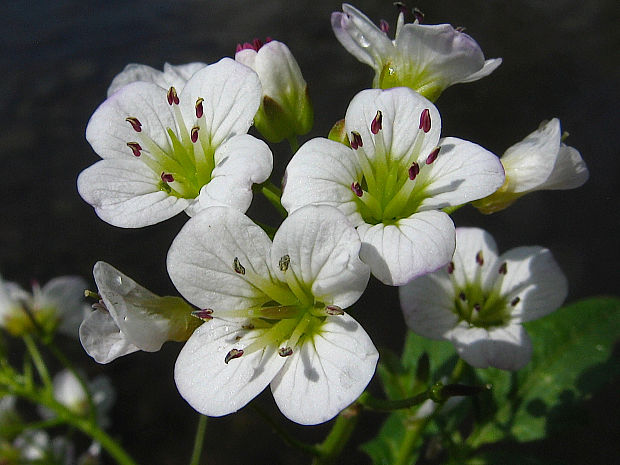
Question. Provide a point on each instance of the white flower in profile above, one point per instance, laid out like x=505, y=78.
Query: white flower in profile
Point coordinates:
x=172, y=76
x=129, y=318
x=164, y=152
x=57, y=306
x=426, y=58
x=480, y=299
x=273, y=313
x=393, y=181
x=539, y=162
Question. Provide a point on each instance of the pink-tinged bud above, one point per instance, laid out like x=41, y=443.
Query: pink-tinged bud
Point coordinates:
x=194, y=134
x=479, y=258
x=450, y=267
x=135, y=148
x=204, y=314
x=414, y=170
x=285, y=351
x=357, y=189
x=384, y=25
x=167, y=177
x=234, y=353
x=135, y=123
x=515, y=301
x=199, y=109
x=503, y=269
x=239, y=48
x=172, y=96
x=356, y=140
x=425, y=120
x=334, y=310
x=418, y=15
x=257, y=44
x=433, y=155
x=376, y=124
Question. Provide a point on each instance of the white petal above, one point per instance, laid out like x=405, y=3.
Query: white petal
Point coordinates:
x=108, y=132
x=240, y=162
x=401, y=108
x=172, y=75
x=231, y=93
x=67, y=389
x=246, y=57
x=324, y=254
x=469, y=242
x=360, y=36
x=462, y=172
x=508, y=348
x=126, y=193
x=278, y=70
x=102, y=339
x=535, y=277
x=213, y=387
x=66, y=294
x=201, y=260
x=489, y=66
x=322, y=172
x=327, y=373
x=569, y=171
x=529, y=163
x=412, y=247
x=428, y=304
x=178, y=75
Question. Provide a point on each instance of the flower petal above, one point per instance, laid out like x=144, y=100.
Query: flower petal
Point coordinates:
x=569, y=171
x=201, y=260
x=324, y=254
x=462, y=172
x=126, y=193
x=231, y=93
x=102, y=339
x=327, y=373
x=216, y=388
x=172, y=75
x=66, y=294
x=470, y=242
x=536, y=279
x=489, y=66
x=397, y=253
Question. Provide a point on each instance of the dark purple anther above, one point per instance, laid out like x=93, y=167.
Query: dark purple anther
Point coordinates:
x=503, y=268
x=167, y=177
x=234, y=353
x=135, y=123
x=425, y=120
x=194, y=134
x=199, y=109
x=515, y=301
x=204, y=314
x=384, y=25
x=433, y=155
x=172, y=96
x=402, y=8
x=285, y=351
x=257, y=43
x=479, y=258
x=357, y=189
x=450, y=267
x=414, y=170
x=477, y=307
x=334, y=310
x=376, y=124
x=418, y=15
x=462, y=296
x=356, y=140
x=135, y=148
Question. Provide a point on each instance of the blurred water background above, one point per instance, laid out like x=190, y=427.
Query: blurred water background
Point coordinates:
x=560, y=60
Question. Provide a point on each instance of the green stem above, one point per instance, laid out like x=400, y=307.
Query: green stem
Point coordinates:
x=199, y=440
x=273, y=194
x=412, y=434
x=386, y=405
x=286, y=437
x=338, y=437
x=33, y=350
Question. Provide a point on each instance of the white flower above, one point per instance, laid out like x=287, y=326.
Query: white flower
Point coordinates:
x=172, y=76
x=57, y=306
x=480, y=299
x=539, y=162
x=393, y=181
x=286, y=110
x=130, y=318
x=274, y=313
x=35, y=446
x=164, y=152
x=426, y=58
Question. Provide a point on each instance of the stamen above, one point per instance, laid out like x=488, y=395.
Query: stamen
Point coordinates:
x=414, y=170
x=284, y=262
x=167, y=177
x=238, y=266
x=375, y=125
x=249, y=326
x=503, y=269
x=479, y=258
x=135, y=123
x=257, y=43
x=433, y=155
x=515, y=301
x=234, y=353
x=418, y=15
x=100, y=306
x=357, y=189
x=477, y=307
x=172, y=96
x=460, y=29
x=135, y=148
x=462, y=296
x=199, y=108
x=194, y=133
x=334, y=310
x=450, y=267
x=384, y=25
x=204, y=314
x=402, y=8
x=285, y=351
x=425, y=120
x=356, y=141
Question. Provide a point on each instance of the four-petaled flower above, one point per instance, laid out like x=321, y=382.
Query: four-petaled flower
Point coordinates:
x=274, y=313
x=393, y=181
x=539, y=162
x=480, y=299
x=164, y=152
x=426, y=58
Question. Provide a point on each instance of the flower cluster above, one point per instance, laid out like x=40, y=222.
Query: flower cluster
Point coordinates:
x=266, y=306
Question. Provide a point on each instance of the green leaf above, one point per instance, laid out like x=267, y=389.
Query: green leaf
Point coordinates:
x=387, y=447
x=572, y=359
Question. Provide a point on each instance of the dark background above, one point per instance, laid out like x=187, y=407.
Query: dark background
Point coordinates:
x=560, y=60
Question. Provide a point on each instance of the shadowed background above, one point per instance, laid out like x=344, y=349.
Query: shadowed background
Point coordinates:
x=560, y=60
